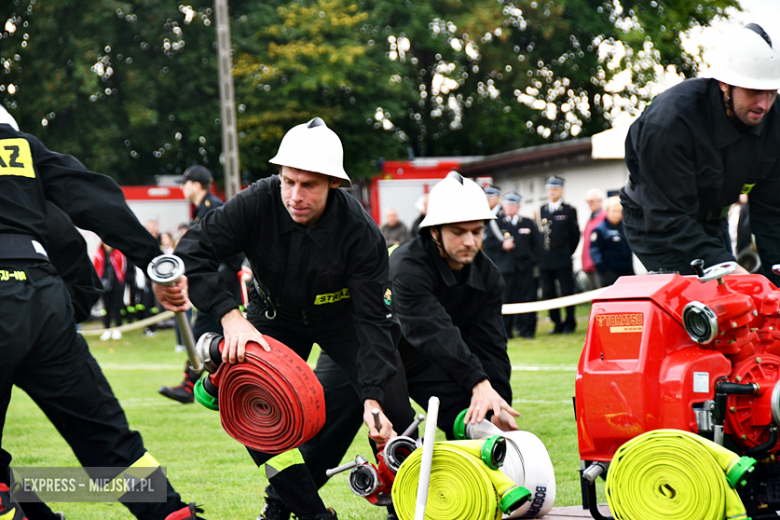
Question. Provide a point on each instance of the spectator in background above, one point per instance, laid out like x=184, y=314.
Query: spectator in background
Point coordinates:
x=493, y=194
x=594, y=197
x=153, y=229
x=515, y=251
x=560, y=236
x=111, y=267
x=181, y=229
x=196, y=182
x=609, y=247
x=166, y=243
x=422, y=206
x=394, y=231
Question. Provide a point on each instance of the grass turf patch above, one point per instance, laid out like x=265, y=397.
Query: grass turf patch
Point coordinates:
x=207, y=466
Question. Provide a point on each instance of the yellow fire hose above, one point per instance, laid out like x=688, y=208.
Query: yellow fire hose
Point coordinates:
x=462, y=486
x=676, y=475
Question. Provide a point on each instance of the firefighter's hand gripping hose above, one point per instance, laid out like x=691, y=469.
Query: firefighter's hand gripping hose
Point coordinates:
x=272, y=402
x=462, y=486
x=673, y=474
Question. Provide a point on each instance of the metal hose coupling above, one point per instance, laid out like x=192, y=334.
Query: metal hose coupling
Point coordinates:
x=397, y=450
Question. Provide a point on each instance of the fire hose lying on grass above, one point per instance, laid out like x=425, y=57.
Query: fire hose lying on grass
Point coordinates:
x=272, y=402
x=486, y=474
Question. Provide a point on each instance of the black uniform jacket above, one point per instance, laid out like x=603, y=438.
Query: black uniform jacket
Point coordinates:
x=229, y=268
x=68, y=252
x=560, y=236
x=30, y=175
x=209, y=202
x=688, y=163
x=453, y=326
x=334, y=271
x=528, y=245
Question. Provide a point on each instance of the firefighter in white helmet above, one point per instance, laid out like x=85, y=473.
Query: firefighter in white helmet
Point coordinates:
x=447, y=295
x=322, y=270
x=696, y=148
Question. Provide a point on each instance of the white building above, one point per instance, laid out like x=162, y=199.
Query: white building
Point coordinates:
x=594, y=162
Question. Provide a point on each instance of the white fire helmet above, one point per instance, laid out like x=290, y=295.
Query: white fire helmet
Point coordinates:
x=312, y=147
x=456, y=199
x=747, y=58
x=7, y=119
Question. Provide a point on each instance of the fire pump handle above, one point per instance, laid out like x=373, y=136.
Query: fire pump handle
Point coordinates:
x=715, y=272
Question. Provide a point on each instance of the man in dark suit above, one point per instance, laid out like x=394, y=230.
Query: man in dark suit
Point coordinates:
x=560, y=236
x=515, y=250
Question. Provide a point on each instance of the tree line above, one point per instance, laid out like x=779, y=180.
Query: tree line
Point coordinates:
x=130, y=87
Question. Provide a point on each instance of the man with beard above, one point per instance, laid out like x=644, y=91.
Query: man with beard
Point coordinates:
x=695, y=149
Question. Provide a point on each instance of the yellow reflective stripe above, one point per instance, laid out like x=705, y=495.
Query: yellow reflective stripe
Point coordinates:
x=8, y=515
x=15, y=158
x=141, y=468
x=285, y=460
x=391, y=249
x=322, y=299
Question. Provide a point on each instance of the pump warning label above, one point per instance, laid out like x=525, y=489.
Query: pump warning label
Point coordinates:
x=621, y=323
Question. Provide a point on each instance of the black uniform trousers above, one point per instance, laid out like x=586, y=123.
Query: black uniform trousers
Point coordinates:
x=113, y=304
x=521, y=287
x=41, y=353
x=337, y=372
x=565, y=278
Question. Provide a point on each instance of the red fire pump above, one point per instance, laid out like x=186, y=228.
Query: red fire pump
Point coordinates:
x=694, y=353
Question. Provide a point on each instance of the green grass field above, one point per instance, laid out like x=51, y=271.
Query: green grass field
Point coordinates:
x=207, y=466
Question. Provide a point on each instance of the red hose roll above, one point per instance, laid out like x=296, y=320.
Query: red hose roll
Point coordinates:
x=272, y=402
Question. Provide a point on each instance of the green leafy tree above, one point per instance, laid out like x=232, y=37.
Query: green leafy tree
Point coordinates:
x=129, y=88
x=299, y=60
x=493, y=75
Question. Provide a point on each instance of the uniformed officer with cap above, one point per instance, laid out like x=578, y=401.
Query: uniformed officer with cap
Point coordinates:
x=322, y=265
x=195, y=184
x=696, y=148
x=515, y=250
x=40, y=350
x=560, y=236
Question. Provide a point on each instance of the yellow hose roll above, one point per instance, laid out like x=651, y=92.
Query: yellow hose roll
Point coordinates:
x=491, y=451
x=460, y=488
x=675, y=475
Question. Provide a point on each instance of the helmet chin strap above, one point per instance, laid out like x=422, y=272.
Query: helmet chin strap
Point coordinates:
x=442, y=251
x=728, y=102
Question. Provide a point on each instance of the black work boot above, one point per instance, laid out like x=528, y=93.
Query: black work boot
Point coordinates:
x=188, y=512
x=183, y=392
x=274, y=509
x=330, y=514
x=9, y=509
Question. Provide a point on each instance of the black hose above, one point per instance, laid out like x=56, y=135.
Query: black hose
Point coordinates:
x=761, y=449
x=736, y=388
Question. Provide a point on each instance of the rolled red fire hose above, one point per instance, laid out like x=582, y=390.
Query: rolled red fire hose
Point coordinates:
x=272, y=401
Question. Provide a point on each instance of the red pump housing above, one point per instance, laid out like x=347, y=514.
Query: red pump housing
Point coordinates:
x=642, y=370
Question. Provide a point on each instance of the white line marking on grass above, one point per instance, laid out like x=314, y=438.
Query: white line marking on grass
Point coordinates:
x=525, y=368
x=137, y=366
x=540, y=401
